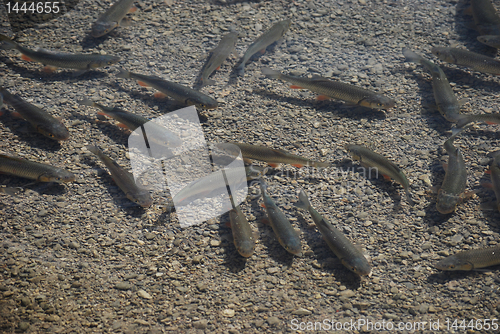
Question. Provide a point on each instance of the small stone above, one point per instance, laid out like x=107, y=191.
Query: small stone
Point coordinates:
x=215, y=243
x=228, y=313
x=347, y=293
x=301, y=311
x=144, y=294
x=123, y=286
x=272, y=270
x=273, y=321
x=23, y=325
x=198, y=259
x=200, y=324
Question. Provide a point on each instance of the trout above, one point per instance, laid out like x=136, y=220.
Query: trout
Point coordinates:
x=219, y=55
x=485, y=17
x=77, y=61
x=276, y=32
x=34, y=170
x=350, y=256
x=132, y=121
x=124, y=179
x=471, y=259
x=476, y=61
x=335, y=89
x=385, y=167
x=112, y=18
x=42, y=121
x=286, y=234
x=446, y=101
x=273, y=157
x=243, y=238
x=452, y=190
x=178, y=92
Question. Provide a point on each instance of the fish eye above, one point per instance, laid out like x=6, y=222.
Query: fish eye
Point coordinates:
x=452, y=266
x=203, y=105
x=380, y=104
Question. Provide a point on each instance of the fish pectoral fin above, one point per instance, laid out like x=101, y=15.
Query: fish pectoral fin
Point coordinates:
x=265, y=221
x=322, y=97
x=121, y=125
x=25, y=57
x=488, y=185
x=489, y=206
x=132, y=10
x=126, y=22
x=159, y=95
x=142, y=83
x=298, y=165
x=445, y=166
x=295, y=87
x=468, y=11
x=49, y=69
x=16, y=114
x=386, y=177
x=468, y=194
x=274, y=165
x=247, y=161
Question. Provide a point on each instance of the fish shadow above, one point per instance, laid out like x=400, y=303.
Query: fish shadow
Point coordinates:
x=464, y=28
x=325, y=257
x=57, y=76
x=46, y=188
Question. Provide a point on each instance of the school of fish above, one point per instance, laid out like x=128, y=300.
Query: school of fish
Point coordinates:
x=450, y=194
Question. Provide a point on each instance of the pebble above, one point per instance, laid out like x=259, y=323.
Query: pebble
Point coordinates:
x=144, y=294
x=347, y=293
x=228, y=313
x=123, y=286
x=301, y=311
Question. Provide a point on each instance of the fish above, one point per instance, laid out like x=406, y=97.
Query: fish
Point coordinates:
x=286, y=234
x=43, y=122
x=452, y=191
x=272, y=156
x=334, y=89
x=465, y=119
x=276, y=32
x=34, y=170
x=485, y=17
x=446, y=101
x=495, y=176
x=471, y=259
x=476, y=61
x=385, y=167
x=123, y=179
x=11, y=191
x=243, y=237
x=490, y=40
x=77, y=61
x=219, y=54
x=176, y=91
x=350, y=256
x=213, y=182
x=133, y=121
x=112, y=18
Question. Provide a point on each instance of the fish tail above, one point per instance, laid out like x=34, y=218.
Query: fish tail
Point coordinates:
x=270, y=73
x=94, y=149
x=241, y=69
x=86, y=102
x=408, y=197
x=412, y=56
x=122, y=73
x=207, y=82
x=303, y=202
x=11, y=190
x=8, y=43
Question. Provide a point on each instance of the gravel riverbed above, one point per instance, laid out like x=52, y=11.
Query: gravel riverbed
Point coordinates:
x=80, y=258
